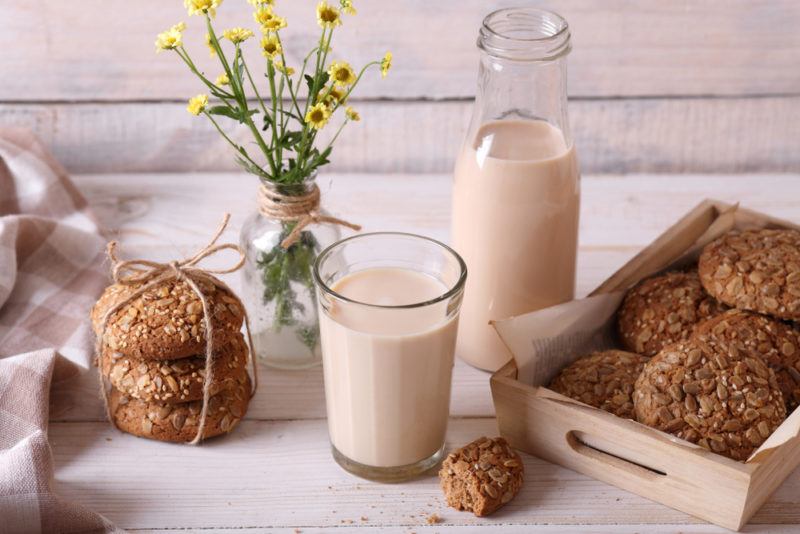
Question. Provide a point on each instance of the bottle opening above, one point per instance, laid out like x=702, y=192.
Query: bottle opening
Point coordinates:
x=525, y=34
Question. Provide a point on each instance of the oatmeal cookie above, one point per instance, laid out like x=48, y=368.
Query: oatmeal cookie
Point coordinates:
x=662, y=310
x=481, y=476
x=175, y=381
x=166, y=322
x=179, y=422
x=727, y=403
x=603, y=380
x=756, y=270
x=778, y=344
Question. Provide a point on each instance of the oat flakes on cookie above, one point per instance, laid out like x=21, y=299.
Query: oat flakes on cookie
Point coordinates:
x=756, y=270
x=662, y=310
x=481, y=476
x=727, y=403
x=603, y=380
x=740, y=332
x=180, y=422
x=174, y=381
x=166, y=322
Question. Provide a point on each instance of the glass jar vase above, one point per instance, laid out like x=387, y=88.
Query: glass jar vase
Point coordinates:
x=278, y=286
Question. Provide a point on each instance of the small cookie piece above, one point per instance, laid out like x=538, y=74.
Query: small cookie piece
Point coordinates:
x=663, y=310
x=758, y=336
x=727, y=403
x=602, y=379
x=179, y=422
x=174, y=381
x=481, y=476
x=756, y=270
x=166, y=322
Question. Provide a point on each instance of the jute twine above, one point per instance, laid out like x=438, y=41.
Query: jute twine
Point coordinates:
x=302, y=209
x=150, y=274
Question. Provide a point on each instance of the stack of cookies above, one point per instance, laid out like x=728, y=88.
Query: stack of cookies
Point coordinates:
x=713, y=353
x=152, y=353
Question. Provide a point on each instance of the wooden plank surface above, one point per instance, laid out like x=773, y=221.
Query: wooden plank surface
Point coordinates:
x=102, y=51
x=281, y=474
x=729, y=135
x=275, y=472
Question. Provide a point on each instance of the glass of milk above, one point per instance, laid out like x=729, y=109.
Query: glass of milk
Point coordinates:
x=388, y=305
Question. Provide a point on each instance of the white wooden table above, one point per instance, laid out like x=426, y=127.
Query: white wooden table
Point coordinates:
x=275, y=472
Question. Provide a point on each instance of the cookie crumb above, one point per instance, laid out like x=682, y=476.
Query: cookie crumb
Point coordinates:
x=364, y=518
x=434, y=519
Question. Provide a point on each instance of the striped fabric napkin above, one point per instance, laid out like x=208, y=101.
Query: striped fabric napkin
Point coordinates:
x=51, y=272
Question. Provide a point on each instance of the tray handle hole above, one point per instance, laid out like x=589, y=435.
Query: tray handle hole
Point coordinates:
x=581, y=443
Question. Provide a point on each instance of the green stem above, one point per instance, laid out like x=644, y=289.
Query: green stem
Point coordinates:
x=184, y=55
x=305, y=142
x=252, y=82
x=238, y=148
x=288, y=78
x=241, y=97
x=272, y=92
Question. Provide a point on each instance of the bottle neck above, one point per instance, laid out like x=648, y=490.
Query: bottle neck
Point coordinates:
x=293, y=190
x=523, y=68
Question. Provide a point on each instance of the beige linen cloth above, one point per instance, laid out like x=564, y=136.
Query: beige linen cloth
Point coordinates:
x=51, y=271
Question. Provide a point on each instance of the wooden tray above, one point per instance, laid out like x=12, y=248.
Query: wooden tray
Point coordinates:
x=633, y=456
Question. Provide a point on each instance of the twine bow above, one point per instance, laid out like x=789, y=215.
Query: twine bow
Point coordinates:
x=150, y=274
x=302, y=209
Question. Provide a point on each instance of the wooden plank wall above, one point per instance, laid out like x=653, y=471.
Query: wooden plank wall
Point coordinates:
x=655, y=86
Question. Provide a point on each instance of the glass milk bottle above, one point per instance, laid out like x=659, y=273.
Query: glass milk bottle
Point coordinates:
x=516, y=189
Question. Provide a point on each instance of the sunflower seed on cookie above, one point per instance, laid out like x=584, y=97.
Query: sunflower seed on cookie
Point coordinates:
x=662, y=310
x=777, y=343
x=727, y=403
x=167, y=321
x=602, y=379
x=481, y=476
x=755, y=270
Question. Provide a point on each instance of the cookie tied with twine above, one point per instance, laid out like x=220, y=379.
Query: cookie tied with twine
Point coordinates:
x=146, y=275
x=302, y=209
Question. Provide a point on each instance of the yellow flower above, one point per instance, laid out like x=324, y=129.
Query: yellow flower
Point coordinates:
x=336, y=95
x=347, y=7
x=171, y=38
x=211, y=50
x=274, y=24
x=259, y=3
x=197, y=7
x=386, y=64
x=237, y=35
x=283, y=68
x=327, y=15
x=222, y=79
x=352, y=114
x=341, y=73
x=270, y=46
x=197, y=104
x=268, y=20
x=318, y=115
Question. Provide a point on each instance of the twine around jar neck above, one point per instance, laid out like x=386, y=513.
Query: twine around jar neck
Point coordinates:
x=303, y=209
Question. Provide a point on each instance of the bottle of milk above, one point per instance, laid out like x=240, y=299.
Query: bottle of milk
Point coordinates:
x=516, y=189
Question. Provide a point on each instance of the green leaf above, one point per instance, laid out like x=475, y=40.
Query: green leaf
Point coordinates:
x=226, y=111
x=309, y=83
x=290, y=139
